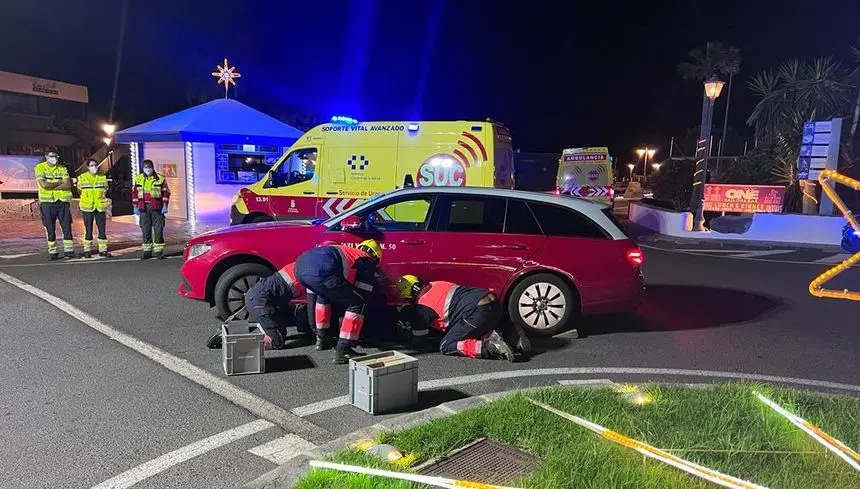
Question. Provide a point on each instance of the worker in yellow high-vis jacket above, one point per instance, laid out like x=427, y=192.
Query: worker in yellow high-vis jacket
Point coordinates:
x=55, y=197
x=94, y=204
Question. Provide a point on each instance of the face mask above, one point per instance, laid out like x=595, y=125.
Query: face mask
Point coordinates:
x=52, y=160
x=147, y=171
x=93, y=169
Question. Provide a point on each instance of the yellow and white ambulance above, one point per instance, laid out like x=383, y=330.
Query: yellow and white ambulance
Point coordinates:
x=587, y=173
x=335, y=166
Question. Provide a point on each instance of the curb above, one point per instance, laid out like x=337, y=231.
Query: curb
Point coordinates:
x=288, y=473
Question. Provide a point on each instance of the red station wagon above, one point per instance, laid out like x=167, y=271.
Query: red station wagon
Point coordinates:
x=551, y=258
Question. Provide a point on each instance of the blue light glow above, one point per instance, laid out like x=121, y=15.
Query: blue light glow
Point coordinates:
x=341, y=119
x=412, y=127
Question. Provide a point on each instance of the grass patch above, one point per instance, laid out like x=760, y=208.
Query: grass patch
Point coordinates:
x=725, y=428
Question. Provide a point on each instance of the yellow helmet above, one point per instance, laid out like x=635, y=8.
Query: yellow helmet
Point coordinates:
x=371, y=247
x=409, y=286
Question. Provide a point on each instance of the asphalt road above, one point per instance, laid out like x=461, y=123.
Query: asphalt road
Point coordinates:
x=82, y=408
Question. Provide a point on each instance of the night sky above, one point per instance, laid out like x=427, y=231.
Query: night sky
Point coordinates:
x=576, y=74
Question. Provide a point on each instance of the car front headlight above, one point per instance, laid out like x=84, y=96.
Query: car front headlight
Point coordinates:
x=198, y=249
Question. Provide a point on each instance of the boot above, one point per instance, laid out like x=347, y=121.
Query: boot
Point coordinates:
x=69, y=255
x=160, y=255
x=146, y=255
x=323, y=343
x=53, y=257
x=88, y=254
x=104, y=254
x=214, y=341
x=342, y=355
x=517, y=337
x=497, y=348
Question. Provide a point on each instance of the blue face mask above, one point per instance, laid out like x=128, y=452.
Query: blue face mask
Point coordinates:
x=148, y=171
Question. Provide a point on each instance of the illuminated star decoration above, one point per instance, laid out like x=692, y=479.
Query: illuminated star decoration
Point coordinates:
x=226, y=75
x=816, y=287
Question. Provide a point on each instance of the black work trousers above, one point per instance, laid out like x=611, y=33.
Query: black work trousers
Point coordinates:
x=152, y=226
x=464, y=336
x=51, y=213
x=100, y=219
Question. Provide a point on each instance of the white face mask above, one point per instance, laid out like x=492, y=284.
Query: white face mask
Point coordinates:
x=52, y=160
x=148, y=171
x=93, y=169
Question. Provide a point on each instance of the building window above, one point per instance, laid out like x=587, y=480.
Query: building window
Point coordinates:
x=243, y=164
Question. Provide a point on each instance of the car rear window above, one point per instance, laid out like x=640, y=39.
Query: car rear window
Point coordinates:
x=561, y=221
x=519, y=219
x=608, y=213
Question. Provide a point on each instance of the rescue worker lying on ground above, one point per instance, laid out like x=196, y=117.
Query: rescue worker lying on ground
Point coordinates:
x=468, y=316
x=268, y=303
x=341, y=275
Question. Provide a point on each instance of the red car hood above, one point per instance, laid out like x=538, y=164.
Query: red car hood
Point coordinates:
x=254, y=227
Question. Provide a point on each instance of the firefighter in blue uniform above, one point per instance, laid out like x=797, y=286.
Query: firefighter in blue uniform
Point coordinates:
x=268, y=304
x=343, y=276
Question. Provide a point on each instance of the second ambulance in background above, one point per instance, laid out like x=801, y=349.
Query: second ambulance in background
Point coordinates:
x=586, y=173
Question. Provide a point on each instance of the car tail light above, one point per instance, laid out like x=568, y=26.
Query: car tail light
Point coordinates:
x=635, y=257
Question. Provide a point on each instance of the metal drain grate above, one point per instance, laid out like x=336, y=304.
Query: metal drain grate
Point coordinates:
x=485, y=461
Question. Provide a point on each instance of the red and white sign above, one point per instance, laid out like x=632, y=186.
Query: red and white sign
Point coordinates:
x=441, y=170
x=333, y=207
x=601, y=191
x=743, y=198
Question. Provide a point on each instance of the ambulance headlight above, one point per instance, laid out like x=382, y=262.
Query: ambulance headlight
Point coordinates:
x=198, y=249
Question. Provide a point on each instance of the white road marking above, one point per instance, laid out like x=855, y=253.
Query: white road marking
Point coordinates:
x=12, y=257
x=698, y=250
x=756, y=254
x=81, y=261
x=282, y=449
x=586, y=382
x=335, y=402
x=176, y=457
x=834, y=259
x=240, y=397
x=690, y=252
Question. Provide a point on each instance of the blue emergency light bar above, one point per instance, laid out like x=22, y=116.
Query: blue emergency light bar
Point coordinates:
x=341, y=119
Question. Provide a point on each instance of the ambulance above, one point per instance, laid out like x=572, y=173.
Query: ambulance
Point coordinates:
x=338, y=165
x=586, y=173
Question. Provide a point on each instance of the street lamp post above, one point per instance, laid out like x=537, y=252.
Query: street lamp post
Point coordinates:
x=645, y=153
x=713, y=87
x=631, y=166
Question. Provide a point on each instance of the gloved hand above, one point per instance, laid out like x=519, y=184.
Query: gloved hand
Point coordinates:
x=136, y=211
x=164, y=211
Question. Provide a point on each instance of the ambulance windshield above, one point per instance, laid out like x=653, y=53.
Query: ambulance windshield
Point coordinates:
x=297, y=167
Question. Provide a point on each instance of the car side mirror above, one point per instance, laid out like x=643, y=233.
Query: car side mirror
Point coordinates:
x=351, y=223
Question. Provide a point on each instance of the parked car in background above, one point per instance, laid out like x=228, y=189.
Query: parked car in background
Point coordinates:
x=550, y=258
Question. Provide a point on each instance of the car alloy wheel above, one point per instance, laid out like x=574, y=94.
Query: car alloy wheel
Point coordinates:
x=236, y=294
x=542, y=305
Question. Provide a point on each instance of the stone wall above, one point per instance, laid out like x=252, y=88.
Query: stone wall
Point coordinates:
x=27, y=210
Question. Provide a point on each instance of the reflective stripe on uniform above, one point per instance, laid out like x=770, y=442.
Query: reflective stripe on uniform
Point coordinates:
x=420, y=332
x=438, y=298
x=364, y=286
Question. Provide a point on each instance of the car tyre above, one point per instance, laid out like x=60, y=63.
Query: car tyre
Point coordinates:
x=232, y=285
x=542, y=304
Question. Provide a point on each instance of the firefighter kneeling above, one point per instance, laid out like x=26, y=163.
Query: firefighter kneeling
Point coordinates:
x=468, y=316
x=341, y=275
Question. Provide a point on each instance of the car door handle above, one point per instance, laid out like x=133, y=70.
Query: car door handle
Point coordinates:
x=412, y=241
x=329, y=193
x=515, y=246
x=308, y=193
